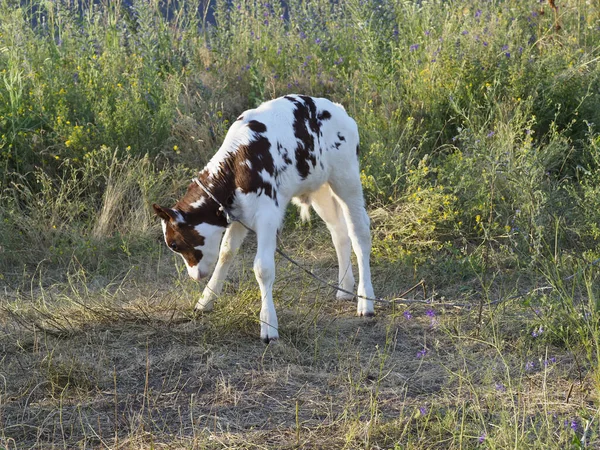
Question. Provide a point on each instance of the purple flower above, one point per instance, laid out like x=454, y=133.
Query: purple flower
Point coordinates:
x=504, y=48
x=421, y=353
x=500, y=387
x=572, y=424
x=302, y=35
x=547, y=362
x=485, y=44
x=423, y=410
x=430, y=313
x=464, y=33
x=478, y=13
x=490, y=134
x=481, y=438
x=507, y=54
x=530, y=365
x=427, y=32
x=535, y=333
x=317, y=41
x=414, y=47
x=407, y=314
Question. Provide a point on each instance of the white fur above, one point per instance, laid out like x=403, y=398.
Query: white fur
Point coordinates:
x=332, y=187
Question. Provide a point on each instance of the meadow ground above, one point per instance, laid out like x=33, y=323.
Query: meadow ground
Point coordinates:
x=480, y=162
x=91, y=362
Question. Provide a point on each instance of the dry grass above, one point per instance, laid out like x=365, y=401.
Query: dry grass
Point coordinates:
x=124, y=364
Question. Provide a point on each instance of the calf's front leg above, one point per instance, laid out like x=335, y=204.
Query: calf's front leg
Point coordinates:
x=264, y=270
x=232, y=240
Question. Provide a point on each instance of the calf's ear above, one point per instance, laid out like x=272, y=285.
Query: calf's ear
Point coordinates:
x=164, y=213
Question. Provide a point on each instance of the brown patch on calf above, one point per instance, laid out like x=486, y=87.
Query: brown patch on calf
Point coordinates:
x=305, y=118
x=257, y=127
x=258, y=155
x=324, y=115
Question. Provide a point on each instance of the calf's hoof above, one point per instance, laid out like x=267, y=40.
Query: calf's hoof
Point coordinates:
x=343, y=296
x=270, y=340
x=202, y=306
x=365, y=308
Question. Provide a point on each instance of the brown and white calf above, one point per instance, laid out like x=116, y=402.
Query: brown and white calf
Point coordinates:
x=292, y=148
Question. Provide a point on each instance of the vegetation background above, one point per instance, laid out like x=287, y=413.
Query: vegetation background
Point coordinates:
x=481, y=167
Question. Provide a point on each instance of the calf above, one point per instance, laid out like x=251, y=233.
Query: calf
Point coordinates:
x=292, y=148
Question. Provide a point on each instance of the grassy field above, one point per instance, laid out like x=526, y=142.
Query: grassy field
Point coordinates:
x=481, y=167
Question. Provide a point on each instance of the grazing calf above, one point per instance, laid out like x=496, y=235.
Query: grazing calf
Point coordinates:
x=292, y=148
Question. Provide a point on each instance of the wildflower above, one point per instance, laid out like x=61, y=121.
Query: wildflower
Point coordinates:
x=481, y=438
x=530, y=365
x=536, y=332
x=421, y=353
x=317, y=41
x=407, y=314
x=423, y=410
x=547, y=362
x=500, y=387
x=572, y=424
x=490, y=134
x=485, y=44
x=414, y=47
x=427, y=32
x=478, y=13
x=464, y=33
x=430, y=313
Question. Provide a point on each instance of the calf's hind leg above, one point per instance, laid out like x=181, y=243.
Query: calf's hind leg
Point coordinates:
x=328, y=208
x=350, y=196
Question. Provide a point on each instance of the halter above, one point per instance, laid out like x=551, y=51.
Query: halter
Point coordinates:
x=228, y=215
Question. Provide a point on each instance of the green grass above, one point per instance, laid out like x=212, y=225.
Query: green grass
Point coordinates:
x=480, y=162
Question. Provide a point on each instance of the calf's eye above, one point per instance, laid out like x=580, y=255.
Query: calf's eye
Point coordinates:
x=174, y=246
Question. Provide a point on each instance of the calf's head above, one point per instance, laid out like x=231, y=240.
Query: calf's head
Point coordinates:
x=196, y=241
